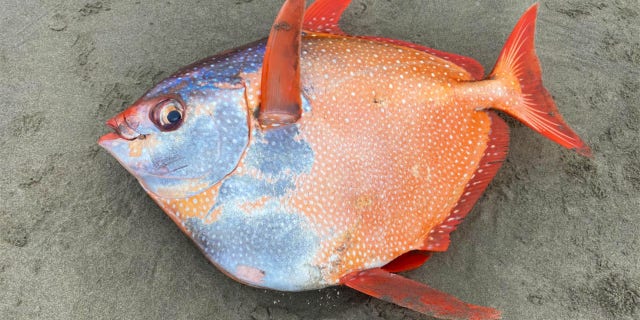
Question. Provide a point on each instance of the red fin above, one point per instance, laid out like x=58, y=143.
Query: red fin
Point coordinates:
x=280, y=88
x=324, y=16
x=471, y=65
x=408, y=261
x=415, y=296
x=518, y=68
x=494, y=156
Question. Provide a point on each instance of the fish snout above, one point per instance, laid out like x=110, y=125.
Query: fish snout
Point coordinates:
x=134, y=122
x=124, y=126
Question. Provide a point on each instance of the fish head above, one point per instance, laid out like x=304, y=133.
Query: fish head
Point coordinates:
x=183, y=136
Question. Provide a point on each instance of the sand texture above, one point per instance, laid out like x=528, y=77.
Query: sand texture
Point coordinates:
x=556, y=235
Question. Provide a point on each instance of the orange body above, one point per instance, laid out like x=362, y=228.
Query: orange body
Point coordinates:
x=394, y=148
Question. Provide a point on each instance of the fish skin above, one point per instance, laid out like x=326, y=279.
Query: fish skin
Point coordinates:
x=393, y=147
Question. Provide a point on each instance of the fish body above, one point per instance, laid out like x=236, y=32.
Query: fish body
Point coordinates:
x=393, y=146
x=362, y=178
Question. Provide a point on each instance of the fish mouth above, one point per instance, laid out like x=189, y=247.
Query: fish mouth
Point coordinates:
x=107, y=138
x=121, y=131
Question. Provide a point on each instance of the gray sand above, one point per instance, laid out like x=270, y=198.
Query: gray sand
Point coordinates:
x=555, y=236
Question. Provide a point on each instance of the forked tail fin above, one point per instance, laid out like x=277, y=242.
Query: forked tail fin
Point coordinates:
x=518, y=69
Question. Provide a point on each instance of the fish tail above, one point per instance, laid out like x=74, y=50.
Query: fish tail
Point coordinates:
x=519, y=73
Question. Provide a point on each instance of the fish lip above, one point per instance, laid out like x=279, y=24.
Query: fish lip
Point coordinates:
x=111, y=123
x=122, y=128
x=108, y=138
x=111, y=136
x=115, y=136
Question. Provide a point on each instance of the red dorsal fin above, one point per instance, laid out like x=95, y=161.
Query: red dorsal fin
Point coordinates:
x=497, y=147
x=471, y=65
x=324, y=16
x=415, y=296
x=408, y=261
x=280, y=88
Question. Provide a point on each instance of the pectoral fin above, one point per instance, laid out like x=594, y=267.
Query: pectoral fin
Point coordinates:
x=415, y=296
x=280, y=88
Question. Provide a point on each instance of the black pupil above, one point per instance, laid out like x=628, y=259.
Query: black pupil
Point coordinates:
x=174, y=116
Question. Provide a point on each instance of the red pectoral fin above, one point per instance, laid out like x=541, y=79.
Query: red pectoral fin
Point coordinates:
x=280, y=87
x=415, y=296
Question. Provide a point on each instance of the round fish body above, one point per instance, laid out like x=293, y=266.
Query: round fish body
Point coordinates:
x=314, y=159
x=380, y=157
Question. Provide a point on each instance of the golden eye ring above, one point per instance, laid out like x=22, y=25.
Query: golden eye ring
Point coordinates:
x=168, y=115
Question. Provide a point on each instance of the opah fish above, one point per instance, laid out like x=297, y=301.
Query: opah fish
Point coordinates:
x=316, y=158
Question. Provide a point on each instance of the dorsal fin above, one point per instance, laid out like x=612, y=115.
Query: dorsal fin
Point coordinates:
x=496, y=152
x=471, y=65
x=324, y=16
x=280, y=87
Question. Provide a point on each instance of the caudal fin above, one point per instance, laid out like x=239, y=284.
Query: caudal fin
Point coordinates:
x=518, y=68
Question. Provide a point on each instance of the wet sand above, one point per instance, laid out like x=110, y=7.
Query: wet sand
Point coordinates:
x=555, y=236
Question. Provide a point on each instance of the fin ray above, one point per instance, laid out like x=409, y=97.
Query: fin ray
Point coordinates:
x=324, y=16
x=416, y=296
x=518, y=68
x=281, y=103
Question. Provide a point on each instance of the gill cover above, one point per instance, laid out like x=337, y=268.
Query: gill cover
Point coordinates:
x=180, y=143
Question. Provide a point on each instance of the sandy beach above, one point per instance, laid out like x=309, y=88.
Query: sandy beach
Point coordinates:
x=555, y=236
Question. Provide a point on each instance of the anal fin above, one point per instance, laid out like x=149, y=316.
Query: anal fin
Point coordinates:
x=416, y=296
x=408, y=261
x=495, y=154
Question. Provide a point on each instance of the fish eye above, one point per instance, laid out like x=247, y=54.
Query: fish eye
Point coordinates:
x=174, y=116
x=168, y=115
